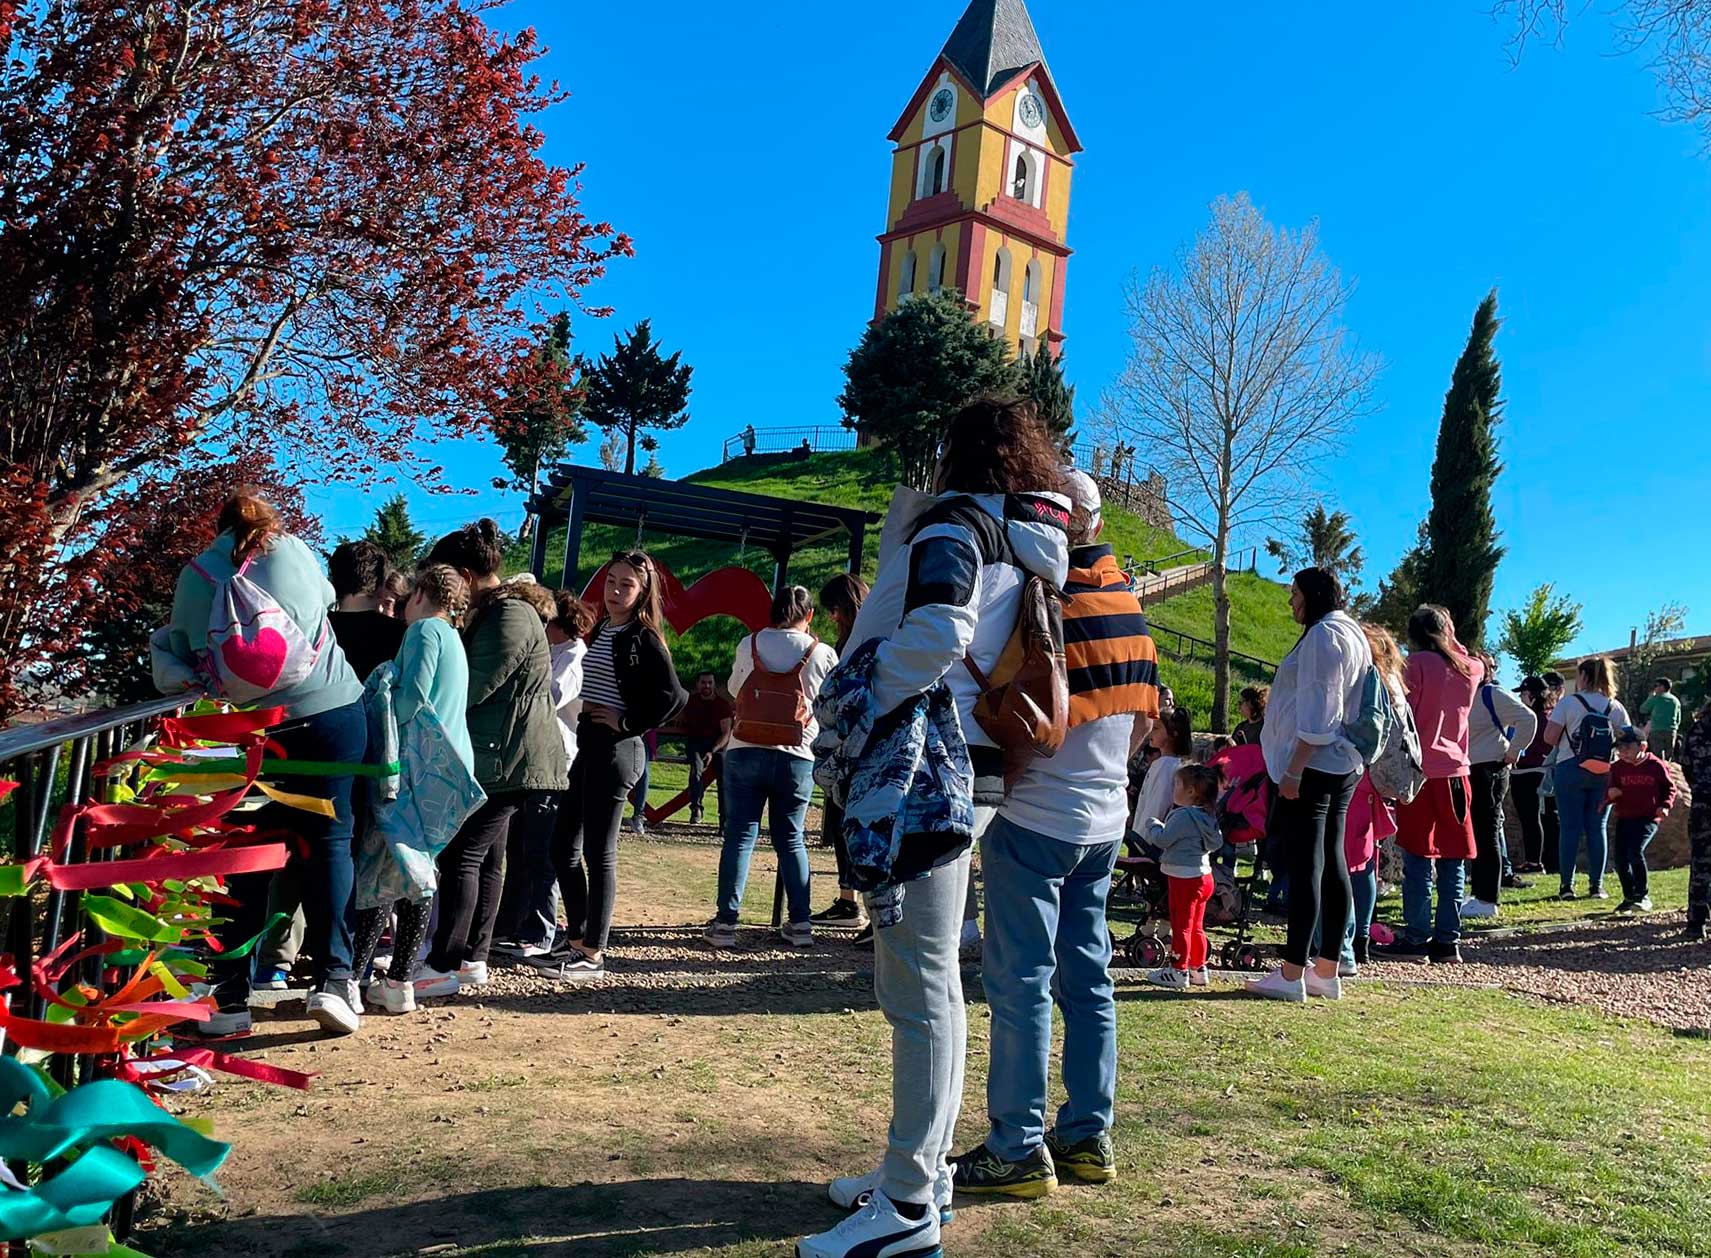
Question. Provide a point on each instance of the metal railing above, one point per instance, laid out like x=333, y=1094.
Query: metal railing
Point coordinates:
x=52, y=761
x=1189, y=649
x=786, y=440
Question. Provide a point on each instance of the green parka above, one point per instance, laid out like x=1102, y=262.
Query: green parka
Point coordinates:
x=512, y=725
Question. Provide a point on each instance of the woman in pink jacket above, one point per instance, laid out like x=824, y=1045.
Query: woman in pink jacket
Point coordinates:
x=1435, y=830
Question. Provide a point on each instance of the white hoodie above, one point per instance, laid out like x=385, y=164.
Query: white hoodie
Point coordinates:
x=953, y=588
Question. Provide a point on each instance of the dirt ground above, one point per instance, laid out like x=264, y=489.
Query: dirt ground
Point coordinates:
x=668, y=1108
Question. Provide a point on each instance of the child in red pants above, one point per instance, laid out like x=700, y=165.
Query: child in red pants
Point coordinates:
x=1186, y=839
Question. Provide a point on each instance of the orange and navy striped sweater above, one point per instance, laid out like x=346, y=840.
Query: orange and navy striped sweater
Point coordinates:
x=1113, y=667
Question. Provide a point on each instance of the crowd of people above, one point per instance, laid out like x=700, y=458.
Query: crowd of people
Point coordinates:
x=478, y=740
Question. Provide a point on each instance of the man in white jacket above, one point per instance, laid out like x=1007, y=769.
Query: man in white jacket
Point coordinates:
x=950, y=579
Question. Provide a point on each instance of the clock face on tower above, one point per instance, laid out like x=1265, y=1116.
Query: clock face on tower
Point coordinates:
x=943, y=100
x=1032, y=114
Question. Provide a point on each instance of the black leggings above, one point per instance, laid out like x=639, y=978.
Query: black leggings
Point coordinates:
x=1311, y=827
x=585, y=846
x=1538, y=813
x=472, y=869
x=832, y=828
x=1489, y=785
x=406, y=940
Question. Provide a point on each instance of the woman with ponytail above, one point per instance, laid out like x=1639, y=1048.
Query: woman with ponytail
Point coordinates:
x=513, y=728
x=255, y=565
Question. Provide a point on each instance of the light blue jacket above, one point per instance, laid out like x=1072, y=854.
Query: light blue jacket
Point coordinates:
x=290, y=572
x=433, y=672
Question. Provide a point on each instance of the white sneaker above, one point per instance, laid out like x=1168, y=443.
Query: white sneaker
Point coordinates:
x=876, y=1230
x=1324, y=988
x=1199, y=978
x=335, y=1010
x=432, y=983
x=797, y=934
x=392, y=997
x=1478, y=908
x=528, y=952
x=970, y=934
x=720, y=934
x=1347, y=969
x=1643, y=904
x=472, y=974
x=851, y=1191
x=221, y=1025
x=1169, y=976
x=1274, y=986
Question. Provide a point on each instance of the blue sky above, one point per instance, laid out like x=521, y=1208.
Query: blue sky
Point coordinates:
x=744, y=149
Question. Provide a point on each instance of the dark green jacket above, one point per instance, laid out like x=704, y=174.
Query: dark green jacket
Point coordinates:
x=512, y=725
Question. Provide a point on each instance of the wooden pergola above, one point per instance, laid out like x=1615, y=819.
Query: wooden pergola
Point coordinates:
x=580, y=496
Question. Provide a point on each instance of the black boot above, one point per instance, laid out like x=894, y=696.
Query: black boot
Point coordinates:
x=1695, y=932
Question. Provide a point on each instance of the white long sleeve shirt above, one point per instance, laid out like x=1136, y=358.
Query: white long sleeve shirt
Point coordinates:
x=1486, y=739
x=1316, y=693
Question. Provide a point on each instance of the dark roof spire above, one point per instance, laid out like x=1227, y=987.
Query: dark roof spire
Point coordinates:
x=993, y=43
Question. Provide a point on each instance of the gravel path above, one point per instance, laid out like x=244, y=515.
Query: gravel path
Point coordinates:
x=1640, y=968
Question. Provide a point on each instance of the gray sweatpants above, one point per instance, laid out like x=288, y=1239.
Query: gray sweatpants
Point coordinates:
x=917, y=979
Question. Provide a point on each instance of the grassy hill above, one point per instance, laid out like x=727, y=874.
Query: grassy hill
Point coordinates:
x=1261, y=624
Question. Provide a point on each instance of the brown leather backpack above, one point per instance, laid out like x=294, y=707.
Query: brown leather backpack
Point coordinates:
x=1024, y=703
x=772, y=709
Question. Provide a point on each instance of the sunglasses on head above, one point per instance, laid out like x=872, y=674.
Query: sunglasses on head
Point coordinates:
x=634, y=559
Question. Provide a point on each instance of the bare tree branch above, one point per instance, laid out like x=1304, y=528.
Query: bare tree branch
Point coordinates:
x=1240, y=378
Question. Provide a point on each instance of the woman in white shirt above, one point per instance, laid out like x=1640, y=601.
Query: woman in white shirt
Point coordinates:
x=764, y=771
x=1581, y=775
x=1316, y=693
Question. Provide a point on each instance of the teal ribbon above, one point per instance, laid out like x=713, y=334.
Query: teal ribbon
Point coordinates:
x=54, y=1127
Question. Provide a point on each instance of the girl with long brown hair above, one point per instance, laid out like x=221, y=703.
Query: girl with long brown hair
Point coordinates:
x=1590, y=715
x=629, y=687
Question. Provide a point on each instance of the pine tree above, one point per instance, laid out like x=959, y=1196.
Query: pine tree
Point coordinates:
x=635, y=388
x=394, y=533
x=1324, y=539
x=1403, y=590
x=1053, y=398
x=1462, y=553
x=538, y=426
x=915, y=369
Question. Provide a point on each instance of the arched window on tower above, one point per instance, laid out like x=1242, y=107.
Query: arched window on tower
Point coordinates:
x=906, y=285
x=1029, y=281
x=940, y=167
x=1030, y=322
x=936, y=269
x=1019, y=184
x=1001, y=273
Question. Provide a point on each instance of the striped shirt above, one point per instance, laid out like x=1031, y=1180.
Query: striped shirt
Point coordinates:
x=1113, y=666
x=599, y=678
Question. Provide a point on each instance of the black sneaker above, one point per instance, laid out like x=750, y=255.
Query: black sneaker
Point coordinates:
x=1514, y=882
x=1363, y=949
x=1092, y=1161
x=1445, y=954
x=982, y=1173
x=1401, y=950
x=1567, y=893
x=864, y=938
x=841, y=912
x=1695, y=932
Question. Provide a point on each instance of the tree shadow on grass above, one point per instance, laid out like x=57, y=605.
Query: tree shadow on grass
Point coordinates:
x=622, y=1220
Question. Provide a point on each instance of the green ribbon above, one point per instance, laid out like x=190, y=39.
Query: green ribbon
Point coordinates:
x=271, y=766
x=53, y=1127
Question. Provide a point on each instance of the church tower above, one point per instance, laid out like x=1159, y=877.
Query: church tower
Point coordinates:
x=980, y=182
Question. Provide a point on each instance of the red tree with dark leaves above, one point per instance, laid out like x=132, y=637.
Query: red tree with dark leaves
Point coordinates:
x=311, y=228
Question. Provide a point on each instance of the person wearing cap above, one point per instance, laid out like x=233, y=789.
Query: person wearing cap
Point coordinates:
x=1538, y=811
x=1640, y=795
x=1048, y=859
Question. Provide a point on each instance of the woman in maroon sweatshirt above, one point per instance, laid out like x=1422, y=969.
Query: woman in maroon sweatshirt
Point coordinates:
x=1641, y=793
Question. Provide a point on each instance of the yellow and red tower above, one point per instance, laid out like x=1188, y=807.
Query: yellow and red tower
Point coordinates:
x=980, y=181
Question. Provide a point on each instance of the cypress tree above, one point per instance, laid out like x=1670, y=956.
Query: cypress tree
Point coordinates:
x=1462, y=554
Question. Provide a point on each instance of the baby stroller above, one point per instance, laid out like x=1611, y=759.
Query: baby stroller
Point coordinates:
x=1236, y=873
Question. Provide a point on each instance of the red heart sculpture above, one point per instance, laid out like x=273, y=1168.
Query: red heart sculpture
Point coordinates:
x=734, y=592
x=258, y=660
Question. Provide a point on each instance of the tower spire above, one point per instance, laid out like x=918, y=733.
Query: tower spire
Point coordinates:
x=993, y=43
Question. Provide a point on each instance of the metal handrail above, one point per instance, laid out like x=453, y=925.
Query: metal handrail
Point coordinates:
x=783, y=440
x=21, y=740
x=1180, y=636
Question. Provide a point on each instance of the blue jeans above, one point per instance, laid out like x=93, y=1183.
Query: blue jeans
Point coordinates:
x=1420, y=925
x=1632, y=836
x=1363, y=886
x=329, y=873
x=782, y=784
x=1581, y=812
x=1046, y=938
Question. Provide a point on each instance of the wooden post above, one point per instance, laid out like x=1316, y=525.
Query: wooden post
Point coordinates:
x=572, y=543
